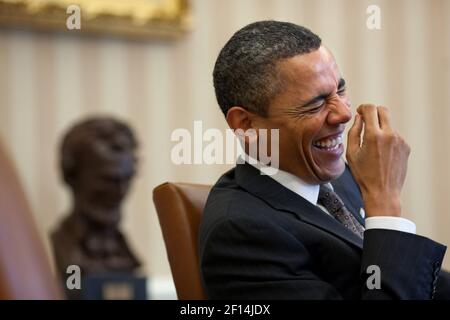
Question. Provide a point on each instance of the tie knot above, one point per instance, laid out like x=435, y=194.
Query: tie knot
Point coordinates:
x=329, y=199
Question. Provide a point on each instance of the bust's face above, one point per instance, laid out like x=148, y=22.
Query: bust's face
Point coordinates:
x=102, y=183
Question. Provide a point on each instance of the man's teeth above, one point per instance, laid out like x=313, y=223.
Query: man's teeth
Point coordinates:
x=329, y=143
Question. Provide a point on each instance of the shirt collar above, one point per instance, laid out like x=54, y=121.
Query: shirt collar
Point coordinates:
x=310, y=192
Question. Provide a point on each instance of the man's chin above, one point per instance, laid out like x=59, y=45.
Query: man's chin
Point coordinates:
x=331, y=173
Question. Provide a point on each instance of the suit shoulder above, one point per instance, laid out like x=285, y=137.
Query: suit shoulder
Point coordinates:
x=225, y=204
x=229, y=203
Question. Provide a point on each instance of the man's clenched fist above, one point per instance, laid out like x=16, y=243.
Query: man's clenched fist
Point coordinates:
x=378, y=159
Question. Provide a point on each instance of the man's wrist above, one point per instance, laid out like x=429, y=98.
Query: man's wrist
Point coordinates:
x=382, y=205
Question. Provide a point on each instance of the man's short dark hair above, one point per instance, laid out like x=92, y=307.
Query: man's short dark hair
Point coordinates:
x=102, y=135
x=245, y=72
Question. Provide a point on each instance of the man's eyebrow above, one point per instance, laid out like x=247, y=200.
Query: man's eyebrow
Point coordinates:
x=322, y=96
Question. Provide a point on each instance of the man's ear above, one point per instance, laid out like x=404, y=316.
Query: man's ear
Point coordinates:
x=239, y=118
x=241, y=121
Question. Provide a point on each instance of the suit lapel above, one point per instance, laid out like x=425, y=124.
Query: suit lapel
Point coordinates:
x=284, y=199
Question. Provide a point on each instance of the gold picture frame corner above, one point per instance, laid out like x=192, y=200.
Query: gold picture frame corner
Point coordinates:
x=170, y=19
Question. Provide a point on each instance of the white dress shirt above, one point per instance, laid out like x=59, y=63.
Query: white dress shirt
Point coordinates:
x=311, y=193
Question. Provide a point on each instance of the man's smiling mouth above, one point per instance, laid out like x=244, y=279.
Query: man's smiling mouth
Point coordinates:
x=329, y=143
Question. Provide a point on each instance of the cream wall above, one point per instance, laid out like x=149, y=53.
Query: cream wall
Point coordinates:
x=47, y=81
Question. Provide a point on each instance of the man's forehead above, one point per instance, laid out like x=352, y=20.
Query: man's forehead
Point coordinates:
x=307, y=69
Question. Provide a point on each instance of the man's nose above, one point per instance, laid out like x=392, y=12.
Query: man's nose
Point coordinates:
x=340, y=112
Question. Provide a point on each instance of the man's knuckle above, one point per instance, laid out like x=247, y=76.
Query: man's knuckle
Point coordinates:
x=375, y=136
x=407, y=148
x=383, y=109
x=393, y=138
x=401, y=140
x=367, y=107
x=371, y=107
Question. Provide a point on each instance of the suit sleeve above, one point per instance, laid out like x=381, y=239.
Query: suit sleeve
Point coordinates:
x=443, y=286
x=245, y=259
x=409, y=264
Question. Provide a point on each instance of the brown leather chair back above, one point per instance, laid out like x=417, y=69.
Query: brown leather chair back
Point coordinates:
x=180, y=207
x=24, y=266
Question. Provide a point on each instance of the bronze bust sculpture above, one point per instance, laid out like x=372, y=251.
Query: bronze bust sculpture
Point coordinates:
x=98, y=162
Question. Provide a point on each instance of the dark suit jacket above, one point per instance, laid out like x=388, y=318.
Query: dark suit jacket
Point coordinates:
x=259, y=240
